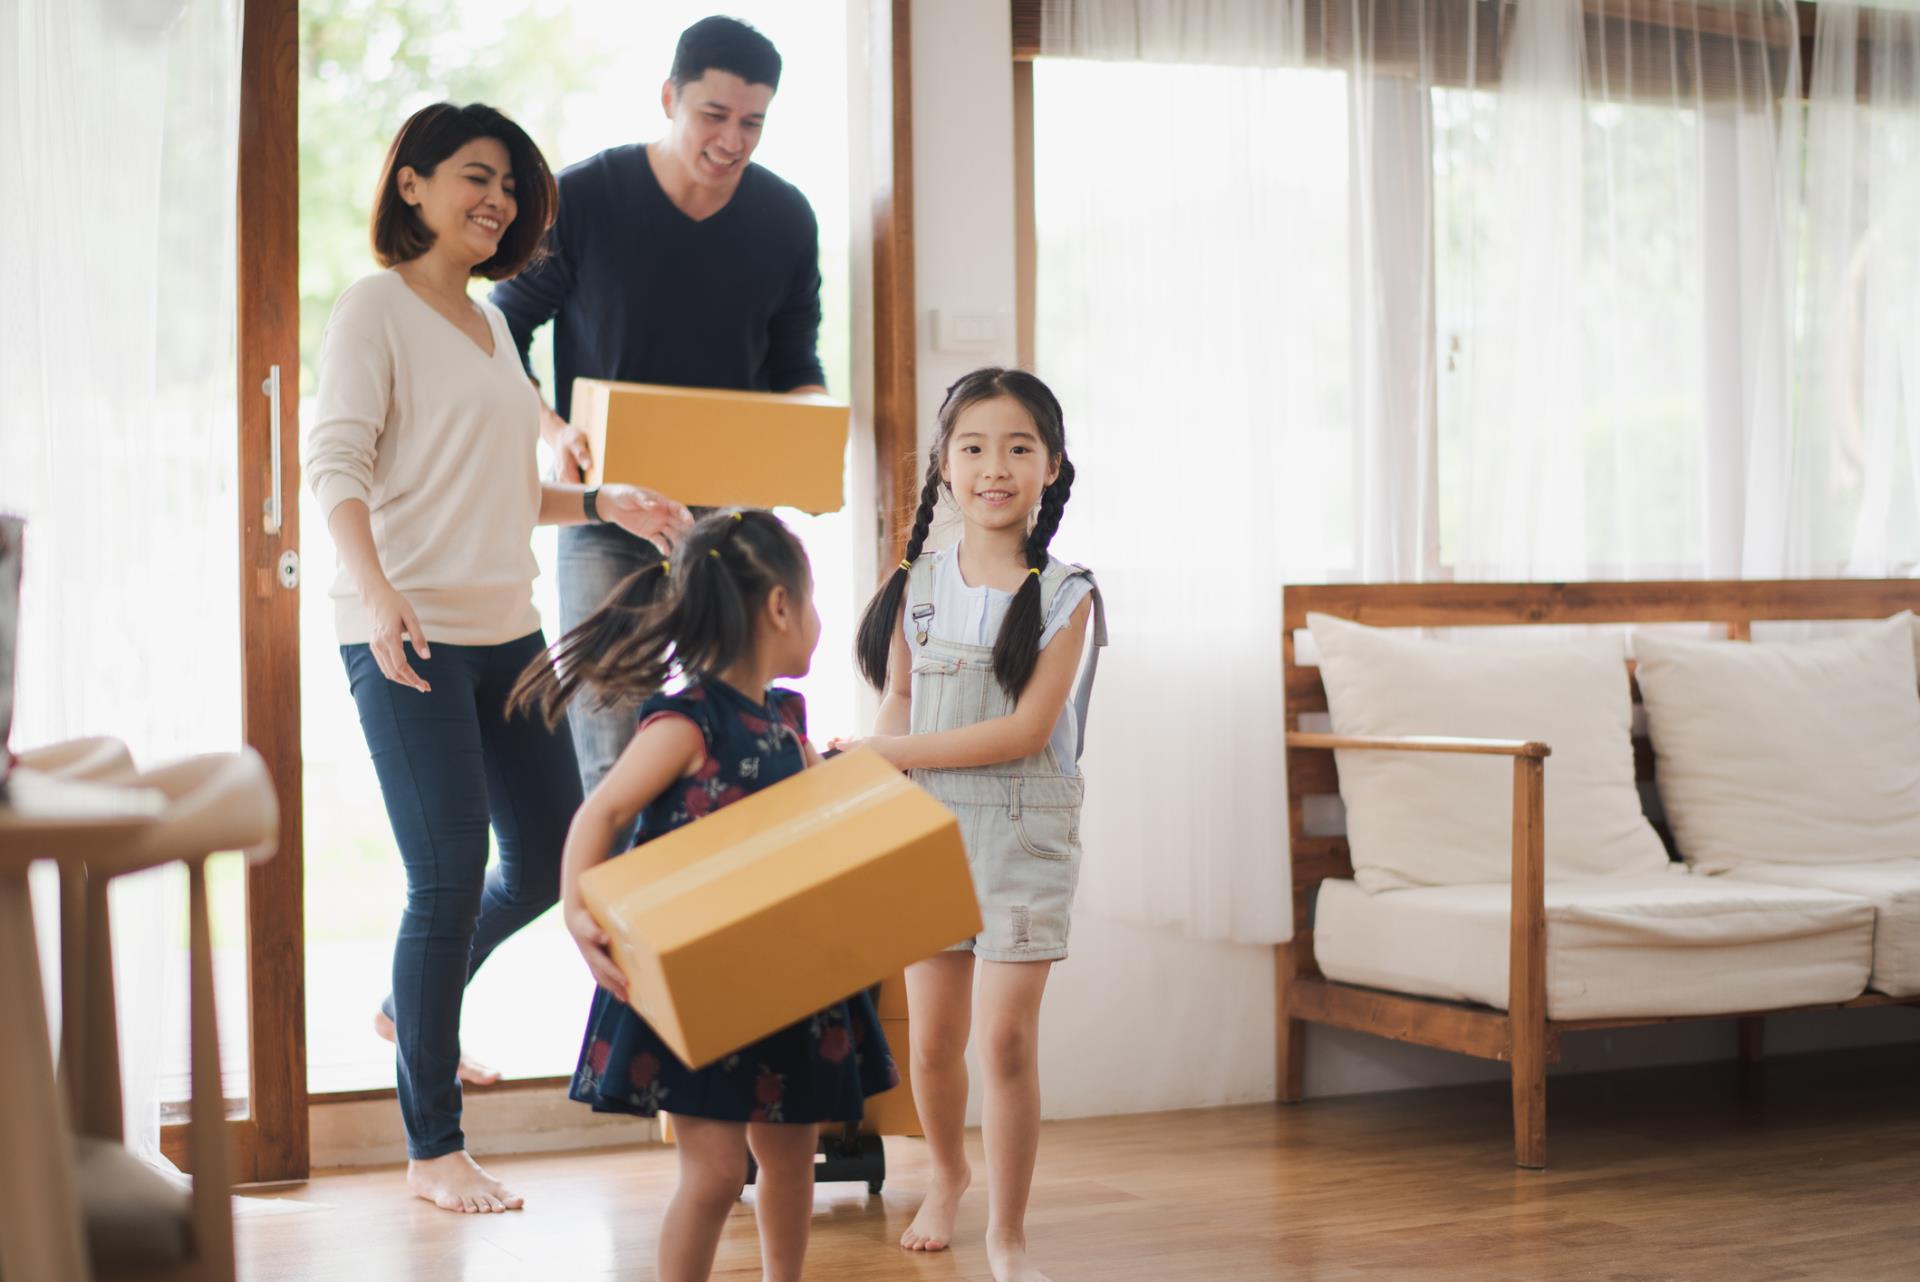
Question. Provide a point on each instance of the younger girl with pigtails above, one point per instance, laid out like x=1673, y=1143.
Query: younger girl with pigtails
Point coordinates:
x=976, y=649
x=732, y=612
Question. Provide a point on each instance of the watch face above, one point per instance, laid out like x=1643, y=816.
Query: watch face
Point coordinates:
x=11, y=531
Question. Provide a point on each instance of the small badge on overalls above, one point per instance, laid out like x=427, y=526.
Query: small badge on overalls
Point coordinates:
x=922, y=622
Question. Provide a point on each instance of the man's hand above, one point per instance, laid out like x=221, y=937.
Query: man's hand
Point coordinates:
x=572, y=456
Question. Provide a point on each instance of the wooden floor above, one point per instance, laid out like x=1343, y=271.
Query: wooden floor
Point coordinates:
x=1810, y=1169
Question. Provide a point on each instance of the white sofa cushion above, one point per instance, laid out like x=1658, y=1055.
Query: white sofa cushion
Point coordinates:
x=1892, y=886
x=1793, y=753
x=1663, y=944
x=1431, y=819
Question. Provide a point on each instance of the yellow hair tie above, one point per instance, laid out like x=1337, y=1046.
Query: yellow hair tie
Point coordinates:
x=906, y=565
x=1035, y=573
x=714, y=553
x=739, y=516
x=666, y=566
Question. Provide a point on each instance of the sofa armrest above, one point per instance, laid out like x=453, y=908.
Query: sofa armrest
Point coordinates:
x=1527, y=956
x=1419, y=743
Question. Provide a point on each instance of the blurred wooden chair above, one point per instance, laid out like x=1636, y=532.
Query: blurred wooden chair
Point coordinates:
x=74, y=1203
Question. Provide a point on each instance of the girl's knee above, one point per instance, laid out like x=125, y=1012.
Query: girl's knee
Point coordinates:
x=714, y=1187
x=1010, y=1050
x=936, y=1049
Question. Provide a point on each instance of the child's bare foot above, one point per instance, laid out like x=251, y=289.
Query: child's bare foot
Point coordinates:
x=932, y=1227
x=472, y=1071
x=455, y=1182
x=1007, y=1257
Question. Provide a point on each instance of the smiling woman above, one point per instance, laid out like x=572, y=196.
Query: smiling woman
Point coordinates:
x=422, y=458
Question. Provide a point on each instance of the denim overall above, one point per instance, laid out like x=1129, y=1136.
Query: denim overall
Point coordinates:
x=1020, y=820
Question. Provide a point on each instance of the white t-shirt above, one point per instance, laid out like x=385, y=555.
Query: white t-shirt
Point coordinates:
x=437, y=438
x=967, y=615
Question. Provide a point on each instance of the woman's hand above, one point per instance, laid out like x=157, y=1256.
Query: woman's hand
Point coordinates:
x=651, y=516
x=593, y=945
x=395, y=623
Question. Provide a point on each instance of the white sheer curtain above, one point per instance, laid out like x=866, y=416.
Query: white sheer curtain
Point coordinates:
x=1359, y=289
x=118, y=134
x=1850, y=483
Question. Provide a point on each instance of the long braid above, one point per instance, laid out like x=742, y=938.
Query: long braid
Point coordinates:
x=875, y=640
x=1016, y=651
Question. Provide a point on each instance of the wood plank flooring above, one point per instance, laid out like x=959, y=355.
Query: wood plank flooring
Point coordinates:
x=1807, y=1169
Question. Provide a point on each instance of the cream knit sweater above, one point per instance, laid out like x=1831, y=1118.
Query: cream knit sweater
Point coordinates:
x=437, y=438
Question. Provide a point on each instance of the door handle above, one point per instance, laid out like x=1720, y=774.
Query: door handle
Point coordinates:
x=270, y=388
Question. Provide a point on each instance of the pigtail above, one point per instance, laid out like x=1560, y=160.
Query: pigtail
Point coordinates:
x=620, y=652
x=875, y=640
x=717, y=620
x=1016, y=650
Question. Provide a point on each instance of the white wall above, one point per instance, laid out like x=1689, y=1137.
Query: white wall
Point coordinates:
x=1140, y=1019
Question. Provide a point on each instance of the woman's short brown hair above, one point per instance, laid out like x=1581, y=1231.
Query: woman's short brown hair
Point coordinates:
x=432, y=134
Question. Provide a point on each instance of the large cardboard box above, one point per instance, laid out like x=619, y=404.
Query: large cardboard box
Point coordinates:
x=768, y=909
x=710, y=448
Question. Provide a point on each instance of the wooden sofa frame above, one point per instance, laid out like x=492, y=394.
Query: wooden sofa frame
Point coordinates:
x=1522, y=1036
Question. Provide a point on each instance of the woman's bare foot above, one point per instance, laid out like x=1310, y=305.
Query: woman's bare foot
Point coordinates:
x=472, y=1071
x=932, y=1227
x=1007, y=1257
x=455, y=1182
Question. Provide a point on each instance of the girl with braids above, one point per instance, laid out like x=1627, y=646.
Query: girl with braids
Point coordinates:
x=975, y=649
x=732, y=612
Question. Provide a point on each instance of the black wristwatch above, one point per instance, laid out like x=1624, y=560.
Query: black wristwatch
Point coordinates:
x=590, y=502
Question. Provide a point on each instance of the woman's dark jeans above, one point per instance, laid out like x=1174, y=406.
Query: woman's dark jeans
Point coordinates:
x=449, y=761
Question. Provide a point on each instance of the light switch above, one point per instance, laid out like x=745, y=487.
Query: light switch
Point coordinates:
x=974, y=331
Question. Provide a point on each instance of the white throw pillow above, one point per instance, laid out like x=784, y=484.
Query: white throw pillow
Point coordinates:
x=1793, y=753
x=1442, y=819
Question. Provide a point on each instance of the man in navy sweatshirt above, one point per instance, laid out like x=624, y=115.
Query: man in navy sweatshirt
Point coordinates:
x=676, y=262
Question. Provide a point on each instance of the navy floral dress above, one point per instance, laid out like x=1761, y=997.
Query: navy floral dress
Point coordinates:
x=818, y=1070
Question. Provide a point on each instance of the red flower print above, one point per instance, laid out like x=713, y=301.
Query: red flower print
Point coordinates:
x=698, y=802
x=834, y=1044
x=727, y=795
x=709, y=769
x=770, y=1088
x=754, y=724
x=645, y=1067
x=597, y=1055
x=793, y=711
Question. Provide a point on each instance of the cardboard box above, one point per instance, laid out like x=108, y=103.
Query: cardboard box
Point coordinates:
x=711, y=448
x=770, y=908
x=891, y=1001
x=894, y=1112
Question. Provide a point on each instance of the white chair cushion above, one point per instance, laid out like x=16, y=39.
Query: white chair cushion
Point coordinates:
x=1617, y=947
x=1892, y=886
x=1795, y=753
x=1430, y=819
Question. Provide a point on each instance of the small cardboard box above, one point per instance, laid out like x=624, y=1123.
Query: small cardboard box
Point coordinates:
x=894, y=1112
x=773, y=907
x=710, y=448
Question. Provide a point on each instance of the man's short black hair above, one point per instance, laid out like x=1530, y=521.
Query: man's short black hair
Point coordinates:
x=725, y=44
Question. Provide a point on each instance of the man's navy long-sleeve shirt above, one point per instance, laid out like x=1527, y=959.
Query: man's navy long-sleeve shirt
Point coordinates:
x=642, y=293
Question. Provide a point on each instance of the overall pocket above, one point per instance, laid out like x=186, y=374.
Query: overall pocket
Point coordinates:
x=1045, y=832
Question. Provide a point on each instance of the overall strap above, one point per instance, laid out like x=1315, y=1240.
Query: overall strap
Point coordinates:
x=919, y=596
x=1083, y=690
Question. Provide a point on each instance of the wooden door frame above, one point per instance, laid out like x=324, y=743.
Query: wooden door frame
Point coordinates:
x=895, y=337
x=271, y=1141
